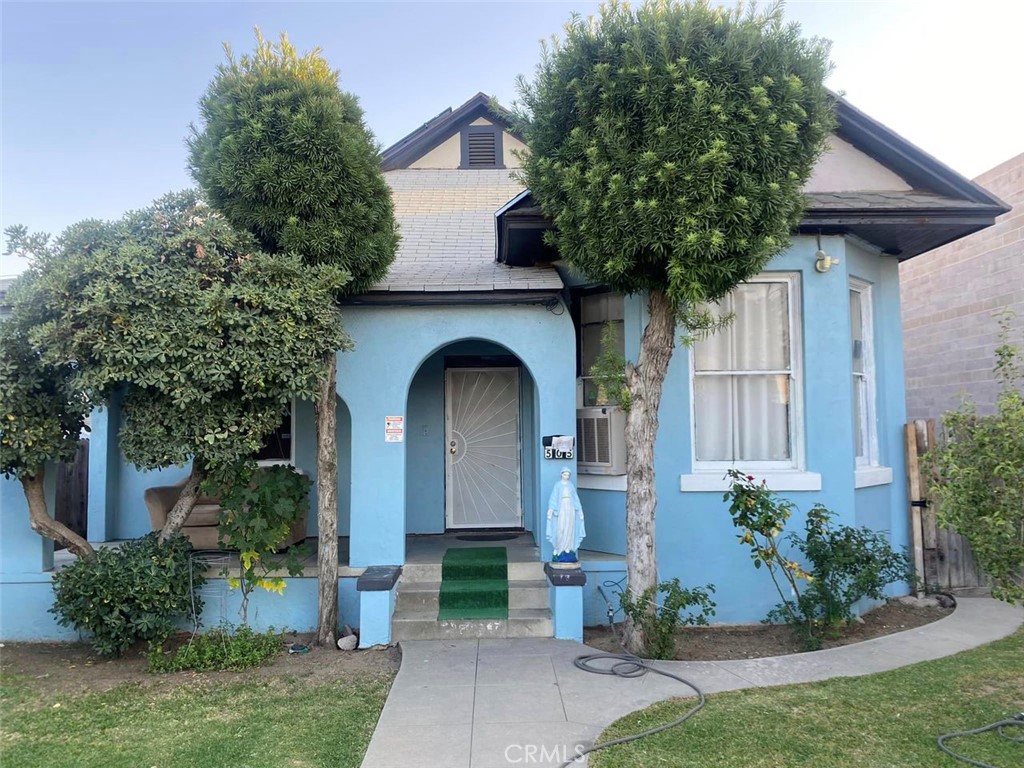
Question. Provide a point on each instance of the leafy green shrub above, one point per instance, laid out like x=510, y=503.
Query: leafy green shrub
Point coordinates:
x=846, y=564
x=259, y=506
x=138, y=591
x=218, y=649
x=978, y=475
x=659, y=626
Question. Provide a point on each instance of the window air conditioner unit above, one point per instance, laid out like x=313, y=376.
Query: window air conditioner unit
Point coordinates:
x=601, y=440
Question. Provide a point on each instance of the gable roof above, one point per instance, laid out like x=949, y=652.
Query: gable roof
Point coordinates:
x=429, y=135
x=921, y=170
x=454, y=223
x=942, y=206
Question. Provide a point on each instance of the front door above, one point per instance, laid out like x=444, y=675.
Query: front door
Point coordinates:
x=482, y=477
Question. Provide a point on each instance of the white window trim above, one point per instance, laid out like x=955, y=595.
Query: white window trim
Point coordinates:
x=793, y=480
x=291, y=459
x=866, y=477
x=869, y=428
x=781, y=475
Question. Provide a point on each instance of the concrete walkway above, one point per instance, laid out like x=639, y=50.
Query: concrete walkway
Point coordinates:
x=488, y=703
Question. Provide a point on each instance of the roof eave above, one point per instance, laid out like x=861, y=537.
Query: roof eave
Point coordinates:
x=431, y=298
x=904, y=233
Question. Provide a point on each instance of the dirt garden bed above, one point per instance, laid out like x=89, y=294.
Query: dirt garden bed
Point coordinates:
x=754, y=641
x=71, y=668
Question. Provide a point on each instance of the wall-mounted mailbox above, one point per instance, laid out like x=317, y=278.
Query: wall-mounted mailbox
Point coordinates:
x=559, y=446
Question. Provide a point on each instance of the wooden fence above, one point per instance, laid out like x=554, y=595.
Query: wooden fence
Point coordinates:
x=943, y=559
x=72, y=502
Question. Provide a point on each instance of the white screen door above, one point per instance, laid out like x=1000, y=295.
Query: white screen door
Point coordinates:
x=482, y=483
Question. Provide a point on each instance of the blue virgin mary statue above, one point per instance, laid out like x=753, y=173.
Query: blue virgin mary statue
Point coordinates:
x=566, y=527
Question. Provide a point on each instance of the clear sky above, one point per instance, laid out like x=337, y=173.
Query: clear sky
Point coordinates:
x=97, y=97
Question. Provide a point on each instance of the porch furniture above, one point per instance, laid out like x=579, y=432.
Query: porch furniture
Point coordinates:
x=201, y=524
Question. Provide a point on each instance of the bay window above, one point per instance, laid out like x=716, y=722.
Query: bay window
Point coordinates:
x=746, y=380
x=865, y=439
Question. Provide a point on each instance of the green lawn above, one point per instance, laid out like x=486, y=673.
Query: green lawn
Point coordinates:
x=889, y=720
x=267, y=722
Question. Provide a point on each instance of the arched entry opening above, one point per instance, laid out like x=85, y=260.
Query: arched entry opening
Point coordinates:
x=470, y=451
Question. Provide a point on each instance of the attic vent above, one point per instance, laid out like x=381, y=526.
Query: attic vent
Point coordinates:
x=481, y=147
x=481, y=150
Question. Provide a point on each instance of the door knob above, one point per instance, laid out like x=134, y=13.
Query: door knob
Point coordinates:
x=452, y=449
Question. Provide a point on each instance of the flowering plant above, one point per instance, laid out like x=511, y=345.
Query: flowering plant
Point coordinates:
x=845, y=564
x=762, y=516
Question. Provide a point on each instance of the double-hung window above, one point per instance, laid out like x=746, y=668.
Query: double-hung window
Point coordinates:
x=746, y=380
x=598, y=311
x=865, y=438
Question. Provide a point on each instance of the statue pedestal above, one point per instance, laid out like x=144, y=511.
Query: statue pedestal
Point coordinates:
x=566, y=581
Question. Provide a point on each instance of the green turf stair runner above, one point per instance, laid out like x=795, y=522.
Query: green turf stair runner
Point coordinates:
x=474, y=584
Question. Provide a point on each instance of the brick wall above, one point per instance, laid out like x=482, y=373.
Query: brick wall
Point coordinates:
x=949, y=296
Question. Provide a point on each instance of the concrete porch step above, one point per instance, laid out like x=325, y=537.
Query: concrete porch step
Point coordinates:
x=418, y=596
x=423, y=625
x=525, y=570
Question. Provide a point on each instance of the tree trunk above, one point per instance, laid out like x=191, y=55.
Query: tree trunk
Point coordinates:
x=644, y=381
x=45, y=525
x=327, y=505
x=183, y=506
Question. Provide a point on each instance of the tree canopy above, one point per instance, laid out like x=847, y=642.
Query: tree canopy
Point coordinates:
x=43, y=415
x=284, y=154
x=669, y=143
x=204, y=338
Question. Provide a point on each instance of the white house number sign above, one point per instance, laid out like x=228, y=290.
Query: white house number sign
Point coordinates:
x=559, y=447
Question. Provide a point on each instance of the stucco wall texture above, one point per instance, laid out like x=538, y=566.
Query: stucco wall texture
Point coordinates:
x=949, y=296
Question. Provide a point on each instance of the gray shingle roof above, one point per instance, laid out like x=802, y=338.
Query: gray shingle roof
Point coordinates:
x=890, y=200
x=446, y=219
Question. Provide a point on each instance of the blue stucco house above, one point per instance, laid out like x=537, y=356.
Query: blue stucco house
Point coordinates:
x=474, y=351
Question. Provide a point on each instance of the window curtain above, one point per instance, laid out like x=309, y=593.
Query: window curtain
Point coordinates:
x=742, y=382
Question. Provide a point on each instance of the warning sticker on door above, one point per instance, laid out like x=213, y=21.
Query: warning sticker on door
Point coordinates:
x=394, y=429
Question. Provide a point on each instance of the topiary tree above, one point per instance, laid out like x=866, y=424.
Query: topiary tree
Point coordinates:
x=977, y=476
x=204, y=339
x=42, y=415
x=669, y=144
x=283, y=153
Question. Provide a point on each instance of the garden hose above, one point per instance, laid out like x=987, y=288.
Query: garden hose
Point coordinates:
x=1017, y=721
x=628, y=666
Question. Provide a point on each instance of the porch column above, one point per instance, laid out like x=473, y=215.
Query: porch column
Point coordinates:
x=556, y=400
x=377, y=522
x=104, y=471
